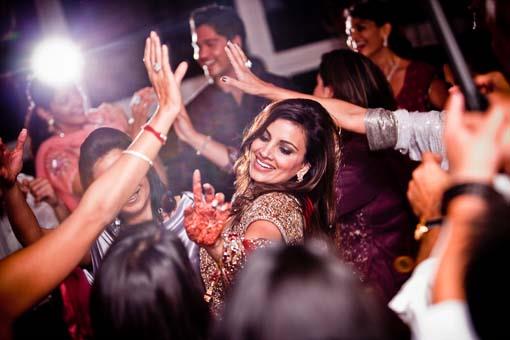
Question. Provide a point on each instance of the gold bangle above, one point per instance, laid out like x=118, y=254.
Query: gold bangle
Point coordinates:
x=138, y=155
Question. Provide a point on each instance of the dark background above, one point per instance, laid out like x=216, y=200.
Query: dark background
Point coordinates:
x=111, y=35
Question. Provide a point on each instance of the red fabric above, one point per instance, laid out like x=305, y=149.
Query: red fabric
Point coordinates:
x=414, y=95
x=308, y=211
x=75, y=291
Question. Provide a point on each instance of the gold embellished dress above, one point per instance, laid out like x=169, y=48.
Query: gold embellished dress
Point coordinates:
x=281, y=209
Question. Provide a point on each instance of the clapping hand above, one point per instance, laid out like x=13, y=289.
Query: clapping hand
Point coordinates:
x=11, y=161
x=166, y=84
x=204, y=222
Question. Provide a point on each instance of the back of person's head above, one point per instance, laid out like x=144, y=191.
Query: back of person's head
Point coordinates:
x=98, y=144
x=224, y=20
x=356, y=79
x=299, y=292
x=146, y=289
x=487, y=276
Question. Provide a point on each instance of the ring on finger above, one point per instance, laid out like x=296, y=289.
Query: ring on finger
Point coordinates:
x=248, y=63
x=214, y=203
x=156, y=67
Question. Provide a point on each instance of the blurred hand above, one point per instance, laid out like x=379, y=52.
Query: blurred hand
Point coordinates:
x=204, y=222
x=166, y=84
x=42, y=190
x=475, y=151
x=492, y=81
x=427, y=186
x=11, y=161
x=246, y=81
x=141, y=103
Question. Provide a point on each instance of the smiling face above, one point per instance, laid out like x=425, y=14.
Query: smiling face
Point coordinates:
x=364, y=36
x=278, y=153
x=209, y=50
x=137, y=206
x=67, y=107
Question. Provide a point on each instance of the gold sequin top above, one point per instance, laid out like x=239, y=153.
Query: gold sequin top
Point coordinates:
x=281, y=209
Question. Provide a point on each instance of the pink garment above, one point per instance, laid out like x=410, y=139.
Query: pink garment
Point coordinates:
x=57, y=158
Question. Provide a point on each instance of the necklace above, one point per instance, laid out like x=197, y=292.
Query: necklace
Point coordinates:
x=393, y=70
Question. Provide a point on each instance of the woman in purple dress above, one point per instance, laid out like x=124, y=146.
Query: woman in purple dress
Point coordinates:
x=374, y=230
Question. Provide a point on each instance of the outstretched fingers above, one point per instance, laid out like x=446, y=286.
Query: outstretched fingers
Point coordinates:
x=197, y=187
x=22, y=138
x=235, y=59
x=208, y=193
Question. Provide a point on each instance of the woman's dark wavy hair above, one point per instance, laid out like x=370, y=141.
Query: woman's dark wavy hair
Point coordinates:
x=103, y=140
x=147, y=289
x=299, y=292
x=381, y=13
x=321, y=153
x=356, y=79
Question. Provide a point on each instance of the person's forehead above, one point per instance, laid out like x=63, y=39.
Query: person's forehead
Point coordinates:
x=206, y=32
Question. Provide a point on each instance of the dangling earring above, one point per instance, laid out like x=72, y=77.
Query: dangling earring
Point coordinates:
x=302, y=172
x=51, y=125
x=385, y=41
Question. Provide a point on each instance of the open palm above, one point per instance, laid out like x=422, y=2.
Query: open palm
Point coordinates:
x=11, y=161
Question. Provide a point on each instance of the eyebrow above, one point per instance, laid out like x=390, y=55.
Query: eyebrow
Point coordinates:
x=282, y=141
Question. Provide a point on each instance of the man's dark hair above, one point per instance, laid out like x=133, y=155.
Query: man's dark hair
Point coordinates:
x=224, y=20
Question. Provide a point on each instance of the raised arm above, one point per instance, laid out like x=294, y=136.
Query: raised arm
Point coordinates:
x=476, y=154
x=22, y=219
x=28, y=275
x=347, y=116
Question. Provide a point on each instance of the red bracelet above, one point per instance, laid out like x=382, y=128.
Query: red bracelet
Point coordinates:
x=160, y=136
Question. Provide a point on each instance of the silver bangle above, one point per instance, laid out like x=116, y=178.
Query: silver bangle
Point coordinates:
x=138, y=155
x=204, y=144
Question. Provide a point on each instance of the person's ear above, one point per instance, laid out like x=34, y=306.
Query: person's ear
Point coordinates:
x=302, y=172
x=43, y=113
x=237, y=40
x=328, y=92
x=385, y=32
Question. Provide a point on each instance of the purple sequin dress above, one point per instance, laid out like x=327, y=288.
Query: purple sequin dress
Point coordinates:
x=375, y=224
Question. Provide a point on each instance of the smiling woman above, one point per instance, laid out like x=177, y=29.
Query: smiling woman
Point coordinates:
x=279, y=153
x=283, y=192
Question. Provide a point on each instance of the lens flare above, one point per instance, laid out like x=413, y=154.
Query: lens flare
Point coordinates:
x=57, y=61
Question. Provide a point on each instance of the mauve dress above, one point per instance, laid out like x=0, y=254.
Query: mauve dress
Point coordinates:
x=374, y=222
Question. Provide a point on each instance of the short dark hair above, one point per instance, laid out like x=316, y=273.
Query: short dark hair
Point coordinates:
x=146, y=289
x=356, y=79
x=299, y=292
x=224, y=20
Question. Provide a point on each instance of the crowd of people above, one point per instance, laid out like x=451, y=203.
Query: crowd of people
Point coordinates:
x=373, y=208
